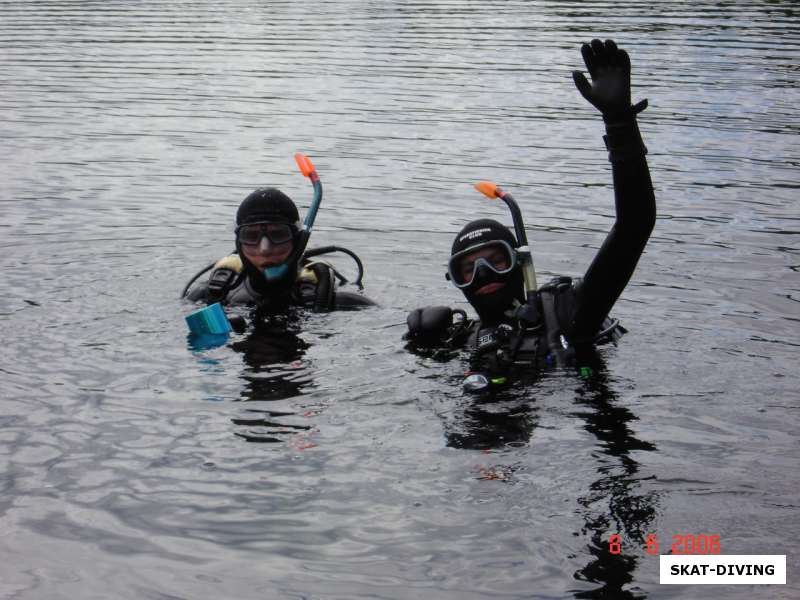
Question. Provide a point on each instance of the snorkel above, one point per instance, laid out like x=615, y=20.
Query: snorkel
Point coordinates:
x=530, y=314
x=277, y=272
x=493, y=191
x=492, y=340
x=211, y=320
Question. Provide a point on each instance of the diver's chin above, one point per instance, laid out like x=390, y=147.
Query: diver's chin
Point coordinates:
x=490, y=288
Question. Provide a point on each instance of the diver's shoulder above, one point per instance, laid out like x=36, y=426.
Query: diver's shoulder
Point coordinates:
x=349, y=299
x=321, y=289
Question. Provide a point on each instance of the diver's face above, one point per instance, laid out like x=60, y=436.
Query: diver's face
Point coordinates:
x=266, y=244
x=495, y=256
x=266, y=253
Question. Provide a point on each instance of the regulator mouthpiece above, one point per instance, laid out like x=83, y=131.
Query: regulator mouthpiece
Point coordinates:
x=276, y=272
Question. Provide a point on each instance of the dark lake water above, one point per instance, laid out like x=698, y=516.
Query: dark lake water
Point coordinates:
x=132, y=130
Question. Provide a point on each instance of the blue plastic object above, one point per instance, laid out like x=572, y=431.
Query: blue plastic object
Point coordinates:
x=208, y=320
x=276, y=272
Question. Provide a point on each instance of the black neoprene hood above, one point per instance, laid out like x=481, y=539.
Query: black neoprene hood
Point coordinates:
x=479, y=231
x=267, y=205
x=490, y=307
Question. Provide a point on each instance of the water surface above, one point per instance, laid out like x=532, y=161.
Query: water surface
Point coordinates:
x=329, y=462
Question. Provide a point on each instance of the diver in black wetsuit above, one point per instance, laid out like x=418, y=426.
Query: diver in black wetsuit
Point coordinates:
x=270, y=269
x=519, y=325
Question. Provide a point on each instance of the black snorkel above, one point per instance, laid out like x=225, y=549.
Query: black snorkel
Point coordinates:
x=277, y=272
x=539, y=308
x=493, y=191
x=528, y=314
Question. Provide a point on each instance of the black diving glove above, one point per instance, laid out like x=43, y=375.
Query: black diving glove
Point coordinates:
x=610, y=93
x=429, y=324
x=610, y=90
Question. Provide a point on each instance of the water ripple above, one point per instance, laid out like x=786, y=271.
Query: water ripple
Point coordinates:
x=132, y=130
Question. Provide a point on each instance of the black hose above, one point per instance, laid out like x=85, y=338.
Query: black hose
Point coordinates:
x=195, y=278
x=607, y=330
x=328, y=249
x=308, y=254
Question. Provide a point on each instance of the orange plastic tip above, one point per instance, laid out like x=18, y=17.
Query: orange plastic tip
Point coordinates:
x=488, y=189
x=304, y=164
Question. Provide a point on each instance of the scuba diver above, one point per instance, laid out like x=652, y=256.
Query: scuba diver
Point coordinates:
x=271, y=269
x=556, y=324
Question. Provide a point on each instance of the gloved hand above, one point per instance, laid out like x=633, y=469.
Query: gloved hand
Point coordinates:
x=610, y=90
x=429, y=323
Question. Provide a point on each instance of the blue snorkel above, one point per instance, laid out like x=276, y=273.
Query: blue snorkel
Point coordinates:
x=280, y=271
x=209, y=326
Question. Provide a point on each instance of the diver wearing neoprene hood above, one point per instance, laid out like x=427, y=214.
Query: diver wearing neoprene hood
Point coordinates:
x=519, y=324
x=271, y=268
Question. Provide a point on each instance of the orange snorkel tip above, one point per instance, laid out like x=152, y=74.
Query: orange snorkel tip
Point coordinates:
x=304, y=164
x=489, y=189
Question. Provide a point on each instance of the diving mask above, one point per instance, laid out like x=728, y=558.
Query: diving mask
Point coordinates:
x=496, y=255
x=276, y=233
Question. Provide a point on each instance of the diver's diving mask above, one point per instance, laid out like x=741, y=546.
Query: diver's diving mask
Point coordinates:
x=496, y=255
x=276, y=233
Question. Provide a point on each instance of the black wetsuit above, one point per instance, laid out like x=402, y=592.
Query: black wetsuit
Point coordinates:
x=570, y=313
x=616, y=260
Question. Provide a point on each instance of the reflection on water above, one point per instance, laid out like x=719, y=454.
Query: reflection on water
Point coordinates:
x=273, y=354
x=274, y=370
x=131, y=132
x=614, y=503
x=497, y=424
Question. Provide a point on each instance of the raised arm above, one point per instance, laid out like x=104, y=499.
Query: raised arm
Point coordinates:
x=610, y=92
